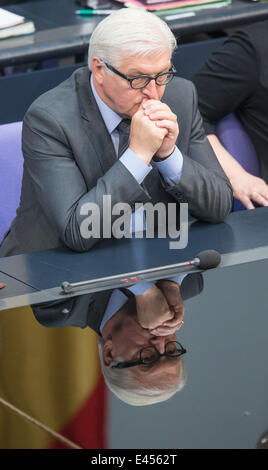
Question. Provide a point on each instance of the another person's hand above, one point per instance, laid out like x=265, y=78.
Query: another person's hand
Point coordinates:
x=164, y=118
x=2, y=285
x=172, y=294
x=248, y=188
x=145, y=136
x=152, y=308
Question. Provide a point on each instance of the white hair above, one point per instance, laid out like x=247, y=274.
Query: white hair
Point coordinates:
x=131, y=31
x=128, y=389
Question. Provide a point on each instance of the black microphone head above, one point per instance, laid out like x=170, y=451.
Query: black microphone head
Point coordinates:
x=209, y=259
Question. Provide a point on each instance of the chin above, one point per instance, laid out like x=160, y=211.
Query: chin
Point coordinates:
x=128, y=114
x=134, y=110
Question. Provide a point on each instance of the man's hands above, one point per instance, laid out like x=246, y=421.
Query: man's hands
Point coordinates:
x=162, y=116
x=145, y=136
x=248, y=188
x=2, y=285
x=154, y=131
x=161, y=309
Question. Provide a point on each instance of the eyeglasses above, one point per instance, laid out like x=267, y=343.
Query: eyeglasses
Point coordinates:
x=141, y=81
x=150, y=355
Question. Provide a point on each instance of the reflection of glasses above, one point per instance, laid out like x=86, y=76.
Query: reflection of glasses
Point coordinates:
x=150, y=355
x=141, y=81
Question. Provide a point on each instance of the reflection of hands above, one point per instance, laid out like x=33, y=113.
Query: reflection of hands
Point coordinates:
x=172, y=294
x=152, y=308
x=2, y=285
x=161, y=308
x=249, y=188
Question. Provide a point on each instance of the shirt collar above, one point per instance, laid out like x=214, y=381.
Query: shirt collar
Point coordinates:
x=110, y=117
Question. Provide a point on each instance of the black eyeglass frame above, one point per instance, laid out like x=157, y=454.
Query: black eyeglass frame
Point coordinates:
x=124, y=365
x=171, y=72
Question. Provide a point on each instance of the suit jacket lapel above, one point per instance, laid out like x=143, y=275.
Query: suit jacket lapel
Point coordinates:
x=95, y=127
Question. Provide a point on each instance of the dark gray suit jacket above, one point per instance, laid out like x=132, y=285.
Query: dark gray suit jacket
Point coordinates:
x=69, y=160
x=88, y=310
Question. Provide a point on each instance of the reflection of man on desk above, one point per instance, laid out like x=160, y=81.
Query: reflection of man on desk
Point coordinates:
x=141, y=365
x=113, y=131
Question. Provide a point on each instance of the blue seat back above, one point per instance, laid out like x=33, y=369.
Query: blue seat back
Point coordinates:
x=235, y=139
x=11, y=169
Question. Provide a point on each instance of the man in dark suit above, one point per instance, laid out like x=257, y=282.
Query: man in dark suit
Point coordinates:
x=118, y=318
x=72, y=139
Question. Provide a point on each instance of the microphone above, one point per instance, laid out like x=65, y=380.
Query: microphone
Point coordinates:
x=206, y=259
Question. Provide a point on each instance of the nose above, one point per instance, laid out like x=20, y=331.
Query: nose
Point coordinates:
x=150, y=91
x=159, y=343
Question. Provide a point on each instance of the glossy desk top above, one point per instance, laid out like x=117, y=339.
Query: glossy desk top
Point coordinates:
x=241, y=239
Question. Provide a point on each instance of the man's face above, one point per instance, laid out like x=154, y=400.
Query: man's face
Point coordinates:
x=117, y=93
x=129, y=338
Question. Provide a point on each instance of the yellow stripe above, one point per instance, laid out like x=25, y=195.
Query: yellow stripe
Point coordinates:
x=47, y=372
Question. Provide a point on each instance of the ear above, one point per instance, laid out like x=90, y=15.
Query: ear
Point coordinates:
x=98, y=70
x=107, y=354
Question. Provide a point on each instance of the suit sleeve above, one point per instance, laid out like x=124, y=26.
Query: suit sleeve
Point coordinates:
x=203, y=183
x=226, y=80
x=74, y=311
x=192, y=285
x=59, y=184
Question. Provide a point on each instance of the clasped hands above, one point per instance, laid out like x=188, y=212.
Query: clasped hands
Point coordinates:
x=154, y=131
x=161, y=309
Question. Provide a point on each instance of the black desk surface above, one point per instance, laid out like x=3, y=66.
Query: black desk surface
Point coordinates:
x=59, y=32
x=241, y=239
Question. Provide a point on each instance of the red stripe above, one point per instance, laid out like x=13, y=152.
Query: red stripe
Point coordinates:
x=88, y=427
